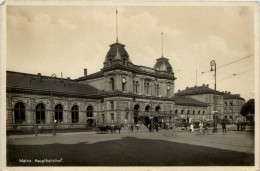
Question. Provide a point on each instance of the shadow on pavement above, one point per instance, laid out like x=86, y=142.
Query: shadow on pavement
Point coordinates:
x=128, y=151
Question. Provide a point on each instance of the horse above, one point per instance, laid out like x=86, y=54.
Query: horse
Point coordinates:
x=114, y=128
x=102, y=129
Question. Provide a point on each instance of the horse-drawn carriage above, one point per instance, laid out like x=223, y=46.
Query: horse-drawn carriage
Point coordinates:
x=108, y=128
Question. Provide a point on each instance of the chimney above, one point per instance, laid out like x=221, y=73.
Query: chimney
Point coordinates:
x=68, y=80
x=85, y=72
x=179, y=90
x=39, y=77
x=203, y=85
x=229, y=92
x=187, y=87
x=208, y=85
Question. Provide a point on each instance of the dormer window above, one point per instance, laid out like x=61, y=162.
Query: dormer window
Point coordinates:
x=112, y=83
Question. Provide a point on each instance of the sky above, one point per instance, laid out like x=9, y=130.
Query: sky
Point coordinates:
x=67, y=39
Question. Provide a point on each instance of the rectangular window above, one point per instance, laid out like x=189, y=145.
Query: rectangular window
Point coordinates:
x=137, y=87
x=103, y=118
x=112, y=117
x=112, y=105
x=134, y=85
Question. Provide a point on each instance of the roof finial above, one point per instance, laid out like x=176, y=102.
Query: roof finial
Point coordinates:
x=116, y=28
x=162, y=44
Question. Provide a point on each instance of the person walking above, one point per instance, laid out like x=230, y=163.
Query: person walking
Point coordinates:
x=224, y=126
x=201, y=126
x=132, y=127
x=137, y=126
x=191, y=127
x=238, y=124
x=157, y=127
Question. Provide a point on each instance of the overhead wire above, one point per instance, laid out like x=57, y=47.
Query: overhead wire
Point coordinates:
x=202, y=73
x=233, y=75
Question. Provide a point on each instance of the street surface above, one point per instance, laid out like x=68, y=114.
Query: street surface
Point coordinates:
x=138, y=148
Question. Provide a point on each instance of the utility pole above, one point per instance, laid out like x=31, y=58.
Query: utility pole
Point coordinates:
x=214, y=65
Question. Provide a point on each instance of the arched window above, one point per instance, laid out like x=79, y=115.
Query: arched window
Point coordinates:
x=75, y=114
x=136, y=111
x=176, y=112
x=135, y=86
x=182, y=111
x=19, y=113
x=59, y=113
x=89, y=111
x=112, y=84
x=147, y=108
x=199, y=112
x=40, y=113
x=188, y=112
x=203, y=112
x=147, y=88
x=157, y=108
x=193, y=112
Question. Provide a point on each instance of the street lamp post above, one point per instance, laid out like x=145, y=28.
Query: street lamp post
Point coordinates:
x=52, y=110
x=151, y=113
x=214, y=65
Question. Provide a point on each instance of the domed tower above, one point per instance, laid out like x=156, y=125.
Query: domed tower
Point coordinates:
x=162, y=64
x=117, y=55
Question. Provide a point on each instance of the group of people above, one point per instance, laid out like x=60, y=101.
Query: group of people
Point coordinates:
x=202, y=127
x=191, y=130
x=132, y=127
x=240, y=125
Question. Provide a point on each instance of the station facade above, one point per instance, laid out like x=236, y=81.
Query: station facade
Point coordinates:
x=120, y=93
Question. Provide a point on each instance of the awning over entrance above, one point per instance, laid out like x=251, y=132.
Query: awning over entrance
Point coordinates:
x=153, y=114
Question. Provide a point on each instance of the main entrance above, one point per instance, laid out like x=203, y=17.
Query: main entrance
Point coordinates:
x=136, y=113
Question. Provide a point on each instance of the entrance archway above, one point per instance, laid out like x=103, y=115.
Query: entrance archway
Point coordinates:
x=157, y=109
x=136, y=113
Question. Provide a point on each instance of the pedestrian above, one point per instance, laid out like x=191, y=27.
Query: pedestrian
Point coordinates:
x=150, y=127
x=238, y=124
x=215, y=127
x=137, y=126
x=132, y=127
x=186, y=125
x=191, y=127
x=200, y=127
x=224, y=126
x=157, y=127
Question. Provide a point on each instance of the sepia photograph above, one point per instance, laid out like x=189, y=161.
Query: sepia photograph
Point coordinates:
x=142, y=84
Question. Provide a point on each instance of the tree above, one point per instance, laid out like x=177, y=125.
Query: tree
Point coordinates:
x=248, y=108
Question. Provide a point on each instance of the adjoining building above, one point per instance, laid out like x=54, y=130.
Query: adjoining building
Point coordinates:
x=232, y=106
x=228, y=105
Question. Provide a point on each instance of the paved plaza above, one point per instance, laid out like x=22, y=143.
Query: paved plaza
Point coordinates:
x=138, y=148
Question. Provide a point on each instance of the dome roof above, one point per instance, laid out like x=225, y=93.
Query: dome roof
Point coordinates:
x=117, y=51
x=162, y=64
